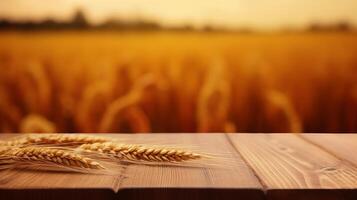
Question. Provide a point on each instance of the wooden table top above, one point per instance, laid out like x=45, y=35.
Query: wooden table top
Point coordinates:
x=267, y=166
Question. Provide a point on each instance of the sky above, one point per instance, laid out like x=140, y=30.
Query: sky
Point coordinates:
x=260, y=14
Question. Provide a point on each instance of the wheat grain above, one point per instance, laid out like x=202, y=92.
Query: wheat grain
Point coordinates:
x=127, y=152
x=55, y=139
x=11, y=142
x=53, y=156
x=5, y=149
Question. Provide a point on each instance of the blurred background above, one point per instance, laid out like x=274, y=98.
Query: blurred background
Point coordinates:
x=140, y=66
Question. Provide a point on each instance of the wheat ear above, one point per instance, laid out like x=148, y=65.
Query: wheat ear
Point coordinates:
x=127, y=152
x=35, y=123
x=55, y=139
x=50, y=156
x=5, y=149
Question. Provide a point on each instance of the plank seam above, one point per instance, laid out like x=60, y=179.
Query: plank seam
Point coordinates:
x=119, y=179
x=261, y=182
x=326, y=150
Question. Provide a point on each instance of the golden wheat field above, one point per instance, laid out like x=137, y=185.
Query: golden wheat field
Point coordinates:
x=177, y=82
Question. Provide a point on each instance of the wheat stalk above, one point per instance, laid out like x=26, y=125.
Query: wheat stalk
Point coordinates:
x=123, y=107
x=55, y=139
x=213, y=100
x=37, y=80
x=10, y=114
x=279, y=102
x=127, y=152
x=43, y=155
x=91, y=108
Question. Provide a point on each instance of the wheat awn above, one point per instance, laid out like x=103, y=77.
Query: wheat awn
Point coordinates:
x=134, y=153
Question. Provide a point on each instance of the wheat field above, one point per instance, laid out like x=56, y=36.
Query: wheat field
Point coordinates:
x=177, y=82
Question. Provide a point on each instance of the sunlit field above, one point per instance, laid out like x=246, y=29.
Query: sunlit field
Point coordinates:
x=177, y=82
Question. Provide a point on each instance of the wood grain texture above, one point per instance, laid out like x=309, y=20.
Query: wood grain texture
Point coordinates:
x=33, y=185
x=342, y=145
x=281, y=166
x=145, y=182
x=291, y=168
x=159, y=182
x=41, y=180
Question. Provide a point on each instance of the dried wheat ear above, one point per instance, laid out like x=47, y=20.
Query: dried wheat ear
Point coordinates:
x=55, y=139
x=49, y=156
x=126, y=152
x=5, y=149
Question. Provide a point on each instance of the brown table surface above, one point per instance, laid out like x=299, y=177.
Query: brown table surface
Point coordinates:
x=266, y=166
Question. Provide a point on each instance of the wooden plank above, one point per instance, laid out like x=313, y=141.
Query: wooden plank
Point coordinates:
x=55, y=180
x=291, y=168
x=54, y=185
x=27, y=179
x=341, y=145
x=158, y=182
x=149, y=182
